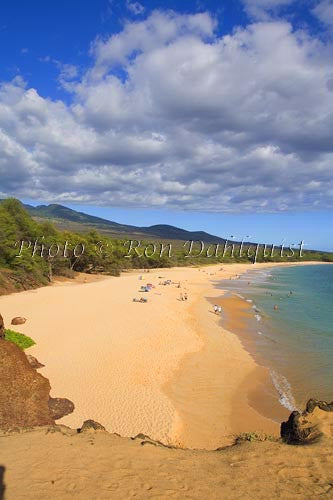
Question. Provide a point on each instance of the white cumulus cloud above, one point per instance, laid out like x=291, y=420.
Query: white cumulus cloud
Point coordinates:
x=135, y=7
x=324, y=12
x=172, y=115
x=263, y=9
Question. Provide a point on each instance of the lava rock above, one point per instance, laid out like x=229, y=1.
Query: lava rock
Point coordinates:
x=18, y=320
x=24, y=393
x=310, y=425
x=91, y=426
x=59, y=407
x=2, y=328
x=34, y=362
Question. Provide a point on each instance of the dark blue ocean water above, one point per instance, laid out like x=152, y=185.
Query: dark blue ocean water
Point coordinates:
x=296, y=338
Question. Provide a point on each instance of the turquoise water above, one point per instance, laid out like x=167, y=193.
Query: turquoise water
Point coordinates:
x=296, y=338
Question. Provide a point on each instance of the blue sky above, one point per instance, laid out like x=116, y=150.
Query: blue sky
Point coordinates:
x=206, y=115
x=63, y=31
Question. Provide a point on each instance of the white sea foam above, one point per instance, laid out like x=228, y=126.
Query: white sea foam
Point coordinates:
x=258, y=317
x=283, y=387
x=249, y=300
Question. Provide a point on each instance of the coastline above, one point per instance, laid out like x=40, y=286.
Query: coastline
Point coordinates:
x=166, y=368
x=239, y=318
x=285, y=340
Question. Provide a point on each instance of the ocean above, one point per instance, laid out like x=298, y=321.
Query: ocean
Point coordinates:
x=292, y=328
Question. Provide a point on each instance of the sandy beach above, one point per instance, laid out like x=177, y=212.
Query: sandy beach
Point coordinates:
x=165, y=368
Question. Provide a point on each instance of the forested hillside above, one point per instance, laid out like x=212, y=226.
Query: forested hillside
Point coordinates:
x=32, y=253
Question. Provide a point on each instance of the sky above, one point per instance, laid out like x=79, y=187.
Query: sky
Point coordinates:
x=208, y=115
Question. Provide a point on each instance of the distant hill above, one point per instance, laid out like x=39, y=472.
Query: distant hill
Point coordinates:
x=66, y=218
x=20, y=223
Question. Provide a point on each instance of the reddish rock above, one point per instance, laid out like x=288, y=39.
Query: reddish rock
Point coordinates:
x=2, y=328
x=59, y=407
x=18, y=320
x=34, y=362
x=24, y=393
x=91, y=426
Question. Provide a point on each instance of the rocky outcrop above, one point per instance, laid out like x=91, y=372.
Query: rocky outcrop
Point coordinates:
x=310, y=425
x=24, y=393
x=34, y=362
x=2, y=328
x=147, y=440
x=59, y=407
x=18, y=321
x=91, y=426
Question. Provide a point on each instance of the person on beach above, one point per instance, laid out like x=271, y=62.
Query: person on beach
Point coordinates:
x=219, y=309
x=181, y=297
x=185, y=296
x=216, y=308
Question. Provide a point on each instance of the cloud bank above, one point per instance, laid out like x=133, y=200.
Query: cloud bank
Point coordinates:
x=171, y=115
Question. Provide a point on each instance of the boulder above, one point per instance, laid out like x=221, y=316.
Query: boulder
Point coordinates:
x=18, y=321
x=59, y=407
x=2, y=328
x=91, y=426
x=310, y=425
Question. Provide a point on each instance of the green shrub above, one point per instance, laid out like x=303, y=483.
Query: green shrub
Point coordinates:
x=255, y=436
x=22, y=341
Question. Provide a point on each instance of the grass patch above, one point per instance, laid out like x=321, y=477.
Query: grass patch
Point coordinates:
x=255, y=436
x=22, y=341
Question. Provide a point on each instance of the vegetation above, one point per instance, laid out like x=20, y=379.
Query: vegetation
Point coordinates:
x=255, y=436
x=22, y=341
x=32, y=252
x=72, y=220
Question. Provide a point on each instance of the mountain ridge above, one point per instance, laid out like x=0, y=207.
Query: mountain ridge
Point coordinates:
x=58, y=213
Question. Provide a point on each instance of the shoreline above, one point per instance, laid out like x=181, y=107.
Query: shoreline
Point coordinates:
x=240, y=319
x=255, y=405
x=132, y=367
x=268, y=336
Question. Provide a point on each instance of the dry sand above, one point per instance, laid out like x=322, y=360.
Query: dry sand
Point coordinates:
x=43, y=465
x=165, y=368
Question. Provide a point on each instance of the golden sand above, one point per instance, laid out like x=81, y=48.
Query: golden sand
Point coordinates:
x=50, y=465
x=165, y=368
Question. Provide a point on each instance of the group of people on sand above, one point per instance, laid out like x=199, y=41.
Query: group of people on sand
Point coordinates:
x=217, y=309
x=149, y=286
